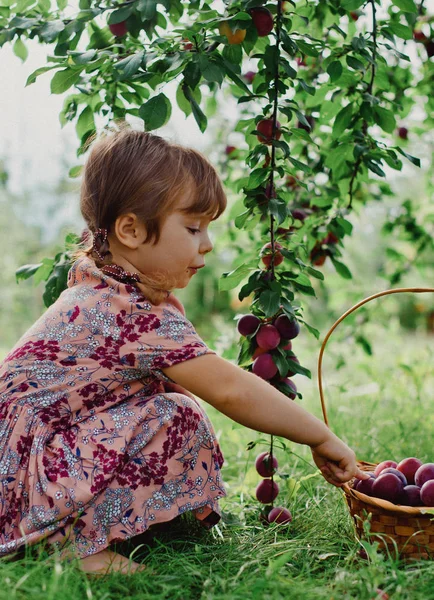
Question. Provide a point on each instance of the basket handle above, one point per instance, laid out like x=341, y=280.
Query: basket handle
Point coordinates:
x=348, y=312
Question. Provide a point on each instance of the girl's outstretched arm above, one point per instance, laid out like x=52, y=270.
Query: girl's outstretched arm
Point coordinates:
x=251, y=401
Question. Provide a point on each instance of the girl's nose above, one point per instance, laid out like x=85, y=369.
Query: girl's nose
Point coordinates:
x=206, y=245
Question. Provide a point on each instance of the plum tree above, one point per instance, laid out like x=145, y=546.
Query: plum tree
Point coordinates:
x=267, y=491
x=266, y=464
x=268, y=337
x=119, y=29
x=250, y=76
x=264, y=366
x=262, y=20
x=280, y=515
x=187, y=44
x=429, y=47
x=248, y=324
x=308, y=128
x=295, y=359
x=266, y=254
x=299, y=213
x=292, y=388
x=288, y=328
x=233, y=37
x=419, y=36
x=403, y=133
x=258, y=351
x=265, y=129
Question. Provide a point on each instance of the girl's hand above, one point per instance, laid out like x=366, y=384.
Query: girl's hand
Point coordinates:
x=336, y=461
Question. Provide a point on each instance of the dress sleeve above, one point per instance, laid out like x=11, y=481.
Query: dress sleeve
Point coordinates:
x=157, y=337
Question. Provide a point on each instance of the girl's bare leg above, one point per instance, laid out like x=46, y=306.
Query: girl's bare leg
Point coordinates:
x=105, y=562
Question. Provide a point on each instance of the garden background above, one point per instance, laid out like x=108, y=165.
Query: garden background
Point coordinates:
x=378, y=367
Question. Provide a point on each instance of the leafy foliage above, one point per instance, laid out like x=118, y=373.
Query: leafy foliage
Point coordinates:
x=331, y=87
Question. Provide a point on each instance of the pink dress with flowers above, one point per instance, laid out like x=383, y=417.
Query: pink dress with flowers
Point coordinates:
x=96, y=443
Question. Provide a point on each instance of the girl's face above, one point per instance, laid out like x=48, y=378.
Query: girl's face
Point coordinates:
x=181, y=249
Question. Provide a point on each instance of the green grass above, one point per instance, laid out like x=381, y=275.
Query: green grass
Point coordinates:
x=382, y=405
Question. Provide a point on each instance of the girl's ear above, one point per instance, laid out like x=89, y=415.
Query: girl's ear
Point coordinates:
x=130, y=231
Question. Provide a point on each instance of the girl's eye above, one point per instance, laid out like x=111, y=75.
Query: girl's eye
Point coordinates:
x=193, y=230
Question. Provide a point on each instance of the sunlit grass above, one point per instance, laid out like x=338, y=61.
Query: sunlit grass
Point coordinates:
x=381, y=405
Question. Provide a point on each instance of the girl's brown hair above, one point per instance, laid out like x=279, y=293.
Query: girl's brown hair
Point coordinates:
x=138, y=172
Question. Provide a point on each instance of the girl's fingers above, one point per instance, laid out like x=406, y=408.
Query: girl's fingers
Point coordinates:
x=362, y=474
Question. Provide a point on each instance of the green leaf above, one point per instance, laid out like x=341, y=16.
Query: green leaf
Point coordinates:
x=281, y=364
x=26, y=271
x=352, y=4
x=43, y=273
x=412, y=159
x=362, y=341
x=86, y=122
x=147, y=9
x=210, y=70
x=307, y=88
x=232, y=74
x=156, y=112
x=269, y=301
x=20, y=49
x=346, y=225
x=406, y=5
x=50, y=31
x=307, y=49
x=192, y=73
x=245, y=353
x=32, y=77
x=56, y=284
x=75, y=171
x=63, y=80
x=385, y=119
x=278, y=209
x=354, y=63
x=130, y=65
x=82, y=58
x=117, y=16
x=315, y=273
x=256, y=178
x=242, y=218
x=302, y=280
x=335, y=69
x=228, y=281
x=311, y=329
x=342, y=120
x=341, y=269
x=402, y=31
x=296, y=368
x=199, y=116
x=233, y=53
x=300, y=165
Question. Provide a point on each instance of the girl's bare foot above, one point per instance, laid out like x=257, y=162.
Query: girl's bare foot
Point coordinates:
x=107, y=561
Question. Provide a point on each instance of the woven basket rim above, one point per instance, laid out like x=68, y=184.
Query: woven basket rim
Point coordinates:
x=385, y=504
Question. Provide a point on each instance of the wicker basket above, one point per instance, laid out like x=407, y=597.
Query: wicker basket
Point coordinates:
x=406, y=531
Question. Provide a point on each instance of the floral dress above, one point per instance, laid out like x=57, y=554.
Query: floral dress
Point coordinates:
x=96, y=443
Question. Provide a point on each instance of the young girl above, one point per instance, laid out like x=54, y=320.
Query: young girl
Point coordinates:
x=101, y=435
